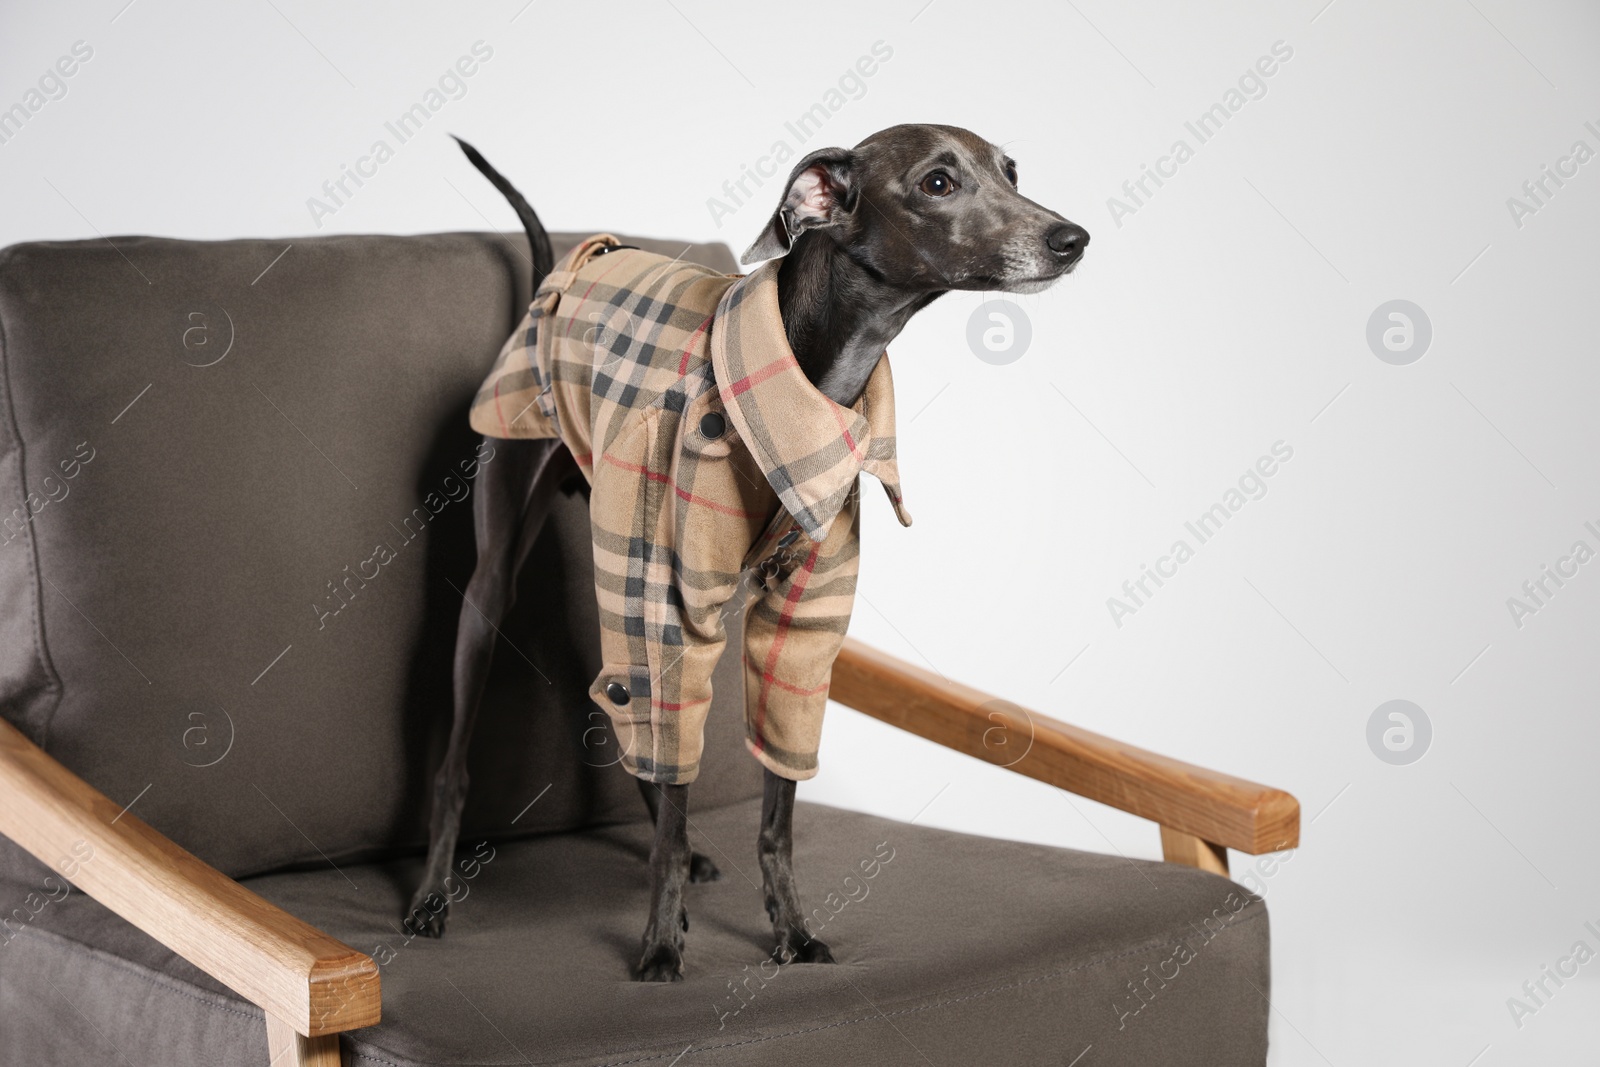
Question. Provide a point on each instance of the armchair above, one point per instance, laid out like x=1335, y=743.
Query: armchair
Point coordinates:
x=242, y=893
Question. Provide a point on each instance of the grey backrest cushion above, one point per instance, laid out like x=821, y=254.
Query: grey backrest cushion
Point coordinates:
x=204, y=450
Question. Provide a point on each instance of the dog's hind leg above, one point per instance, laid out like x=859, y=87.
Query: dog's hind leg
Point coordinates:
x=515, y=490
x=775, y=849
x=661, y=956
x=701, y=869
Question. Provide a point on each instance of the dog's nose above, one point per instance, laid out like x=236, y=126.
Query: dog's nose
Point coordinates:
x=1067, y=240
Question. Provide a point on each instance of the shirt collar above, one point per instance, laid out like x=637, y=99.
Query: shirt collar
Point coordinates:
x=810, y=448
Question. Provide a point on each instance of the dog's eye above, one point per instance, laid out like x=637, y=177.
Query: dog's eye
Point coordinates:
x=1011, y=172
x=938, y=184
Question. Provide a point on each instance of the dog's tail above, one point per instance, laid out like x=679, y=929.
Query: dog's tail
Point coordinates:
x=544, y=258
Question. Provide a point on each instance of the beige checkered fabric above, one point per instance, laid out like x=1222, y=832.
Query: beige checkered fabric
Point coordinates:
x=709, y=454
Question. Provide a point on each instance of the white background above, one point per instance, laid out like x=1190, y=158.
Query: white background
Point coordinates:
x=1227, y=313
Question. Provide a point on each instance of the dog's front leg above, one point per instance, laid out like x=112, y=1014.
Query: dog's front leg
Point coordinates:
x=776, y=852
x=661, y=959
x=701, y=869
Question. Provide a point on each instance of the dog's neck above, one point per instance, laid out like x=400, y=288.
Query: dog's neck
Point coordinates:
x=838, y=315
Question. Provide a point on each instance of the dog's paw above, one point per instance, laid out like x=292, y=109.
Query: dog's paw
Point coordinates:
x=701, y=869
x=428, y=914
x=798, y=948
x=660, y=963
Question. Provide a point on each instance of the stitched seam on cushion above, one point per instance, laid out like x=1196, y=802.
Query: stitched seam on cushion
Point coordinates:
x=1146, y=946
x=1098, y=962
x=52, y=681
x=163, y=981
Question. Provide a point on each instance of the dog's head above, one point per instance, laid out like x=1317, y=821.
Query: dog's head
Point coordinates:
x=925, y=208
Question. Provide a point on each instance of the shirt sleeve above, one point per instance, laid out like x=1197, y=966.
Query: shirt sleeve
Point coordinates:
x=794, y=628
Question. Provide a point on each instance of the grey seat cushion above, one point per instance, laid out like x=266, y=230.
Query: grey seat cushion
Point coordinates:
x=214, y=451
x=957, y=950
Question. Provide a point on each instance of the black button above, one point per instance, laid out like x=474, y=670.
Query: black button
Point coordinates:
x=712, y=424
x=788, y=539
x=617, y=693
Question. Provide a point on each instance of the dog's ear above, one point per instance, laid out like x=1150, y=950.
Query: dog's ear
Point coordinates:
x=821, y=192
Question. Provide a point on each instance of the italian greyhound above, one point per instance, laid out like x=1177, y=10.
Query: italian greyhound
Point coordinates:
x=869, y=236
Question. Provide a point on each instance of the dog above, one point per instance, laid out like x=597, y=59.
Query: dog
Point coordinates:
x=865, y=238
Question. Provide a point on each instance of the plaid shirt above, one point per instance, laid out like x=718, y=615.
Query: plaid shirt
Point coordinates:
x=709, y=453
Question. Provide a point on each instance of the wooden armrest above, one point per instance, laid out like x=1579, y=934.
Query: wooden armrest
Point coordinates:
x=302, y=978
x=1185, y=799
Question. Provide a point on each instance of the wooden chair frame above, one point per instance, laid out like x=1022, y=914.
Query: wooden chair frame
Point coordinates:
x=311, y=987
